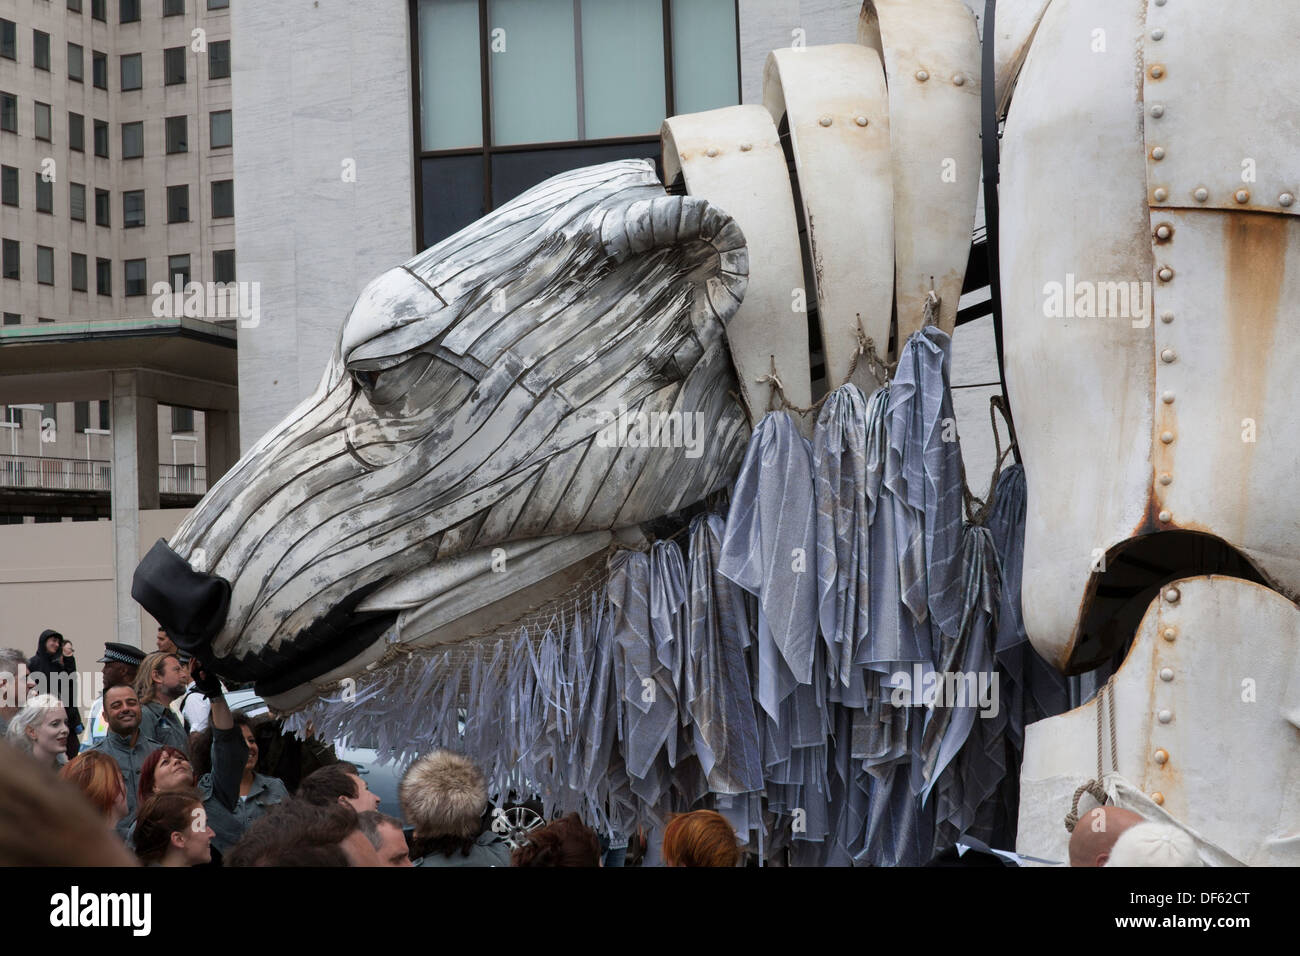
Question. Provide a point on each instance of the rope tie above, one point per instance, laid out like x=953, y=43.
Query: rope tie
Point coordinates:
x=1105, y=701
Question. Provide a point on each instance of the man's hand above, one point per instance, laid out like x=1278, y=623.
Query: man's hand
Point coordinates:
x=205, y=682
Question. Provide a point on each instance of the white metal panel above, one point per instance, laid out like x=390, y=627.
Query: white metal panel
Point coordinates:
x=1013, y=33
x=838, y=111
x=733, y=158
x=1074, y=211
x=1201, y=706
x=932, y=68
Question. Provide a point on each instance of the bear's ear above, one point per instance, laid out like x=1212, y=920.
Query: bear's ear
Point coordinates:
x=710, y=241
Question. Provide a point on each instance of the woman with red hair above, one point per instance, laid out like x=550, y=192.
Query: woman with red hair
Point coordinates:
x=97, y=775
x=700, y=838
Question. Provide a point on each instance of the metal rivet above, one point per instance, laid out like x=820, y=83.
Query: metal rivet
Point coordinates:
x=1167, y=437
x=1164, y=231
x=746, y=147
x=1166, y=317
x=1286, y=199
x=1157, y=34
x=1158, y=110
x=1165, y=716
x=1157, y=72
x=1161, y=756
x=1201, y=194
x=1172, y=595
x=958, y=80
x=825, y=121
x=1161, y=194
x=1166, y=478
x=1158, y=153
x=1166, y=674
x=1158, y=798
x=860, y=120
x=1168, y=399
x=922, y=75
x=1242, y=195
x=711, y=151
x=1165, y=516
x=1168, y=356
x=1165, y=273
x=1169, y=634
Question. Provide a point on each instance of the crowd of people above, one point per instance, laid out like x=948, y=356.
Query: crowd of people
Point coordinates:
x=168, y=776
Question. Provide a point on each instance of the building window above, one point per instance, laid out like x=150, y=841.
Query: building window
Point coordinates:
x=77, y=202
x=219, y=60
x=130, y=11
x=8, y=39
x=173, y=8
x=74, y=6
x=178, y=269
x=173, y=65
x=78, y=272
x=133, y=274
x=44, y=194
x=218, y=4
x=9, y=185
x=223, y=198
x=182, y=419
x=101, y=139
x=12, y=318
x=43, y=125
x=104, y=276
x=178, y=203
x=132, y=75
x=9, y=255
x=76, y=132
x=219, y=129
x=99, y=69
x=45, y=265
x=223, y=265
x=41, y=50
x=102, y=205
x=76, y=62
x=80, y=416
x=13, y=416
x=132, y=208
x=98, y=10
x=133, y=140
x=8, y=112
x=178, y=133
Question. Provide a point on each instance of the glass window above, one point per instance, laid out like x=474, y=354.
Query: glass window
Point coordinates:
x=133, y=276
x=133, y=140
x=622, y=67
x=705, y=74
x=98, y=8
x=173, y=8
x=173, y=65
x=76, y=132
x=132, y=76
x=132, y=208
x=218, y=4
x=99, y=69
x=41, y=50
x=223, y=265
x=182, y=419
x=178, y=203
x=102, y=205
x=223, y=198
x=101, y=139
x=76, y=62
x=104, y=276
x=178, y=270
x=219, y=129
x=218, y=59
x=9, y=185
x=130, y=10
x=78, y=272
x=8, y=39
x=44, y=194
x=45, y=265
x=12, y=266
x=178, y=134
x=80, y=415
x=8, y=112
x=534, y=78
x=74, y=6
x=12, y=318
x=451, y=95
x=43, y=125
x=77, y=201
x=457, y=200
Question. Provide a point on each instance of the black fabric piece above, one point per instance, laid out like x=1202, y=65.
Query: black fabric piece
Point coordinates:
x=190, y=605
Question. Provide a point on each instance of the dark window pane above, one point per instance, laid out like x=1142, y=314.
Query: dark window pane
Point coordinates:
x=9, y=185
x=43, y=121
x=178, y=203
x=104, y=276
x=12, y=318
x=101, y=139
x=45, y=265
x=8, y=39
x=218, y=59
x=99, y=69
x=219, y=129
x=76, y=132
x=218, y=4
x=103, y=416
x=132, y=140
x=174, y=65
x=44, y=194
x=182, y=419
x=9, y=112
x=78, y=272
x=514, y=173
x=102, y=204
x=74, y=6
x=453, y=195
x=173, y=8
x=12, y=267
x=132, y=208
x=132, y=77
x=133, y=274
x=97, y=9
x=223, y=265
x=76, y=62
x=80, y=416
x=130, y=11
x=178, y=134
x=77, y=202
x=223, y=198
x=178, y=271
x=40, y=50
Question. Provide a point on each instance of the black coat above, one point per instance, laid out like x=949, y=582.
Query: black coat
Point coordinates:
x=44, y=663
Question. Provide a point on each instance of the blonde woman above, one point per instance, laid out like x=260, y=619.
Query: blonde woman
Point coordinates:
x=41, y=729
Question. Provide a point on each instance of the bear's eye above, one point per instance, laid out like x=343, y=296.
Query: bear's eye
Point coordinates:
x=369, y=381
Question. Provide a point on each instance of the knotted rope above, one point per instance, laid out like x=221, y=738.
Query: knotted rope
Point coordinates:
x=1105, y=701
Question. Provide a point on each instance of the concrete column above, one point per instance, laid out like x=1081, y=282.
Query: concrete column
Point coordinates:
x=134, y=420
x=221, y=438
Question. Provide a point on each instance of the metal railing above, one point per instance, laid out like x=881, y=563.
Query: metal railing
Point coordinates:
x=80, y=474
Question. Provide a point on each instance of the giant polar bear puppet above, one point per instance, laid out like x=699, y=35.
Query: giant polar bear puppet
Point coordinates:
x=1147, y=143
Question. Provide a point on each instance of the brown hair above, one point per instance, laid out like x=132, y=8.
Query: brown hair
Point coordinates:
x=149, y=769
x=98, y=777
x=700, y=838
x=151, y=665
x=159, y=817
x=563, y=842
x=296, y=833
x=324, y=785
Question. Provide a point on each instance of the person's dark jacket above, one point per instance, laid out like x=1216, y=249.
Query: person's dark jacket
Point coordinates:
x=160, y=723
x=228, y=816
x=130, y=760
x=51, y=666
x=488, y=850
